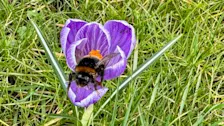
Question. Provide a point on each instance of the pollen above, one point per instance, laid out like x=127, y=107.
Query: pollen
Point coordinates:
x=96, y=53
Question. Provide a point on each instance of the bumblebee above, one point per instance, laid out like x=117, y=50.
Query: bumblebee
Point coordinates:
x=89, y=68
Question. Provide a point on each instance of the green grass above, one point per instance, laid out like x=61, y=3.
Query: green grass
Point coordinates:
x=184, y=87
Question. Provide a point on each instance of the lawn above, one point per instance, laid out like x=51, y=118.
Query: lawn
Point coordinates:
x=184, y=87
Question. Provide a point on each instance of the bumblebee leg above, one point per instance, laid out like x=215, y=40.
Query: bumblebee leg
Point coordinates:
x=93, y=80
x=102, y=75
x=95, y=87
x=100, y=71
x=96, y=82
x=70, y=78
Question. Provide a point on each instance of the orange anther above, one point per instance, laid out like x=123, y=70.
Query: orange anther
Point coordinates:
x=96, y=53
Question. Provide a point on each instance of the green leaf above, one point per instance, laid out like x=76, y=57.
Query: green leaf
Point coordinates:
x=139, y=70
x=54, y=62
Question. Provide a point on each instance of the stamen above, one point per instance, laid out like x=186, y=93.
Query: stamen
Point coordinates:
x=96, y=53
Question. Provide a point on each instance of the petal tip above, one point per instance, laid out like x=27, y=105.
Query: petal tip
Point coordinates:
x=85, y=96
x=68, y=21
x=122, y=34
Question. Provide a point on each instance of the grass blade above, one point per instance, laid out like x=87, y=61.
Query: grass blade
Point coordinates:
x=139, y=70
x=129, y=109
x=154, y=92
x=202, y=116
x=184, y=97
x=57, y=68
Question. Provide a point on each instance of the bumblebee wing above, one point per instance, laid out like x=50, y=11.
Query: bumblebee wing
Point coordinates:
x=102, y=63
x=106, y=59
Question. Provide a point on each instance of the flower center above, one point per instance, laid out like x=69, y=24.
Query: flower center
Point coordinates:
x=96, y=53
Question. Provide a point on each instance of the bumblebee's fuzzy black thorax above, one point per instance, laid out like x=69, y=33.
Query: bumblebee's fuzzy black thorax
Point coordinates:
x=88, y=62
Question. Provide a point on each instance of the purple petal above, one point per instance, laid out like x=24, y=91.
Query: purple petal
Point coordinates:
x=69, y=32
x=116, y=66
x=73, y=53
x=85, y=96
x=122, y=35
x=98, y=38
x=63, y=37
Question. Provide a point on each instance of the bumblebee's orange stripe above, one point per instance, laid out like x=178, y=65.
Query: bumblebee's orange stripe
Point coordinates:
x=84, y=69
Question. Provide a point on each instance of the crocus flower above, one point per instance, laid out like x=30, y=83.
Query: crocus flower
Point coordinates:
x=79, y=38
